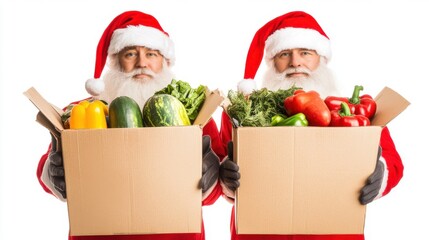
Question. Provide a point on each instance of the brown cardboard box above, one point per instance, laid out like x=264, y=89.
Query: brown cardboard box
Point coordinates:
x=131, y=180
x=306, y=180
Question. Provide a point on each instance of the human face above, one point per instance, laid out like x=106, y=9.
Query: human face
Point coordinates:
x=118, y=83
x=299, y=59
x=136, y=57
x=321, y=79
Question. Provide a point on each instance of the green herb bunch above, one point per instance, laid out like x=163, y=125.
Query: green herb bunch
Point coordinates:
x=191, y=98
x=257, y=109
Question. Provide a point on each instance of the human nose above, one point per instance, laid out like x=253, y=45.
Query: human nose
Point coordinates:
x=142, y=61
x=296, y=60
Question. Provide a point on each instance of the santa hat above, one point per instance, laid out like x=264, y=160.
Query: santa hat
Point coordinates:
x=291, y=30
x=132, y=28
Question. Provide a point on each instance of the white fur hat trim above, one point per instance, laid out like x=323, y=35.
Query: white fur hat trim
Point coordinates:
x=247, y=86
x=94, y=86
x=290, y=38
x=142, y=36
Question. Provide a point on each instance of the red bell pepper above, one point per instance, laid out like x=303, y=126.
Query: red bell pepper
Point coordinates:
x=359, y=105
x=344, y=118
x=311, y=105
x=334, y=103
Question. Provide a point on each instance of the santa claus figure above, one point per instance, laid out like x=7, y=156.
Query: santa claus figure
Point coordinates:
x=297, y=52
x=136, y=55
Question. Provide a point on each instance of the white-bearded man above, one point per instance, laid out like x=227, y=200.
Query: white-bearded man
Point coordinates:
x=297, y=51
x=319, y=77
x=140, y=55
x=153, y=72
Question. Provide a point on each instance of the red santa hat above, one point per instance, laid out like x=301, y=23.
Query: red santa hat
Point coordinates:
x=291, y=30
x=132, y=28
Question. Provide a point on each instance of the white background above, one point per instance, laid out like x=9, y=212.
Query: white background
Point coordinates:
x=51, y=45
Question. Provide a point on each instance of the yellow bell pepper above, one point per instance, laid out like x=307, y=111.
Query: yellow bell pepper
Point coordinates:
x=89, y=115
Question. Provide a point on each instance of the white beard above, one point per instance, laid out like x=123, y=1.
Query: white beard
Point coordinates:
x=320, y=80
x=118, y=83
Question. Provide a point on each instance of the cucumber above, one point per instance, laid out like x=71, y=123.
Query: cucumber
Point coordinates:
x=124, y=112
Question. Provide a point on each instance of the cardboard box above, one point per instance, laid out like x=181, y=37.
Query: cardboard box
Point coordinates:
x=131, y=180
x=306, y=180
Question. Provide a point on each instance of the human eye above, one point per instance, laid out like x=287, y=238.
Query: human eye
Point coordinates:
x=307, y=52
x=284, y=54
x=128, y=54
x=152, y=53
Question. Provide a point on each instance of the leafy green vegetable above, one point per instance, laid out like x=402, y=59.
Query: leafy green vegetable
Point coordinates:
x=257, y=109
x=191, y=98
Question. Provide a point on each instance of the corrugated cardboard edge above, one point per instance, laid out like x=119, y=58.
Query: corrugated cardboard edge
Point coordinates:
x=213, y=100
x=51, y=113
x=40, y=118
x=389, y=105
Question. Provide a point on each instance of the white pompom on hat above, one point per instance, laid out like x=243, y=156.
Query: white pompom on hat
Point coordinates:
x=131, y=28
x=292, y=30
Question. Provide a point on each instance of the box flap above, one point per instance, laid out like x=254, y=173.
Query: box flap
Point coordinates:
x=213, y=100
x=40, y=118
x=50, y=112
x=389, y=105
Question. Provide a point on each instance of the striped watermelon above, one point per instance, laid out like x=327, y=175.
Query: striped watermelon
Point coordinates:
x=164, y=110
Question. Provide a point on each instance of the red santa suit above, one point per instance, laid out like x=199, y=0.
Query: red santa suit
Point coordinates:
x=289, y=31
x=135, y=28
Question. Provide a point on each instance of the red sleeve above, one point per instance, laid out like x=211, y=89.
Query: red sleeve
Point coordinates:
x=226, y=136
x=211, y=129
x=393, y=160
x=214, y=195
x=225, y=130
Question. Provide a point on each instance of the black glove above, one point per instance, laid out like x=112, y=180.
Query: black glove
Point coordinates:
x=228, y=171
x=210, y=165
x=56, y=168
x=373, y=183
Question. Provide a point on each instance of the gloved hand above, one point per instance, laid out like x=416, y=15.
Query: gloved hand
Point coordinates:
x=56, y=169
x=229, y=171
x=210, y=165
x=373, y=183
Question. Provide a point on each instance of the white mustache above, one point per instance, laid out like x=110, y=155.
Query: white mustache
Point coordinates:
x=140, y=71
x=295, y=70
